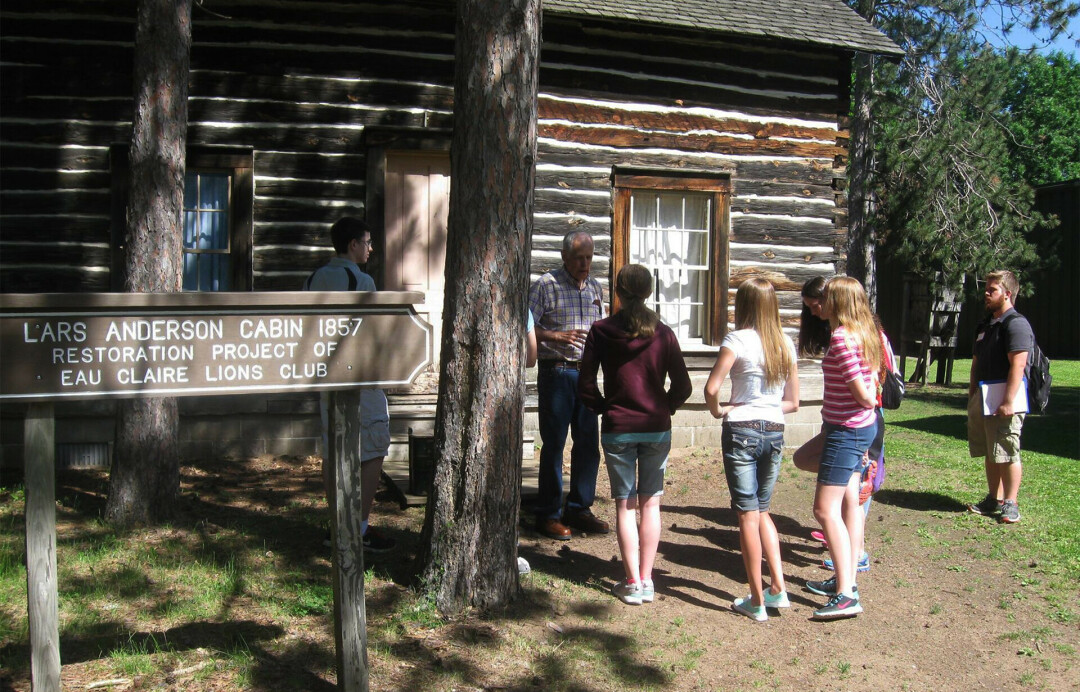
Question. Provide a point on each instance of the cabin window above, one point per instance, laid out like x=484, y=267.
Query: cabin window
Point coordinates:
x=206, y=231
x=217, y=218
x=677, y=227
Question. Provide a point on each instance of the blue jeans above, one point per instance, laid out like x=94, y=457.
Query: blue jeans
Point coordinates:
x=843, y=452
x=560, y=408
x=751, y=464
x=636, y=468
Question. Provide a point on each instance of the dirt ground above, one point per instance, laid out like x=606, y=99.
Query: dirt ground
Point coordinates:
x=939, y=614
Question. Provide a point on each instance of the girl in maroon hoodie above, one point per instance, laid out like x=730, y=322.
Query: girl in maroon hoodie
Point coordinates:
x=637, y=353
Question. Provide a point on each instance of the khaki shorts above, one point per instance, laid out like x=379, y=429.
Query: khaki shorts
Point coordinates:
x=993, y=435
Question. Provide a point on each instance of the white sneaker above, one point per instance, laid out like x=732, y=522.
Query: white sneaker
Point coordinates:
x=628, y=592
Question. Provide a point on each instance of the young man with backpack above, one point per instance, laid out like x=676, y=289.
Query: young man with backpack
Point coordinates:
x=1003, y=343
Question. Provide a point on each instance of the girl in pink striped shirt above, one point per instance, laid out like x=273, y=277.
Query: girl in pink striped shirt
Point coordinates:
x=849, y=425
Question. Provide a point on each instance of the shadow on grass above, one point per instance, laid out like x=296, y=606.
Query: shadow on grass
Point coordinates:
x=1055, y=433
x=954, y=427
x=919, y=500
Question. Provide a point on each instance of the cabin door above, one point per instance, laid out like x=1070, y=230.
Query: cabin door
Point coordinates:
x=417, y=206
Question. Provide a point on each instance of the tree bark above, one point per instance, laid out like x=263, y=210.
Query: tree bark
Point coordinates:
x=145, y=477
x=862, y=239
x=469, y=543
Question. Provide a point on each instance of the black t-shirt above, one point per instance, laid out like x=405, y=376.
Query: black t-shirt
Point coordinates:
x=995, y=339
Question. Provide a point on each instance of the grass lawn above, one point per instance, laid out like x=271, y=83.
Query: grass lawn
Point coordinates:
x=927, y=438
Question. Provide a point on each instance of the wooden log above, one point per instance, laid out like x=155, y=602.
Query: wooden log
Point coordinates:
x=711, y=143
x=41, y=588
x=676, y=120
x=54, y=279
x=565, y=201
x=346, y=534
x=62, y=229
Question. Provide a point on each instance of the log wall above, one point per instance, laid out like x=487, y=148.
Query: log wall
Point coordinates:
x=298, y=84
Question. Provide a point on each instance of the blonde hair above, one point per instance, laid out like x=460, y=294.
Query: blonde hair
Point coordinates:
x=847, y=306
x=633, y=285
x=756, y=308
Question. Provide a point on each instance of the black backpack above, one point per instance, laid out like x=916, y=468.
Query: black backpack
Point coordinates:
x=1038, y=378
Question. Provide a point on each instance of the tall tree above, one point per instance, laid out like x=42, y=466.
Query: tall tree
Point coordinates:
x=862, y=237
x=469, y=543
x=145, y=477
x=1042, y=104
x=945, y=200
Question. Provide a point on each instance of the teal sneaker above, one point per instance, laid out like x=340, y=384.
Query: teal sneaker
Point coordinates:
x=745, y=606
x=780, y=600
x=648, y=591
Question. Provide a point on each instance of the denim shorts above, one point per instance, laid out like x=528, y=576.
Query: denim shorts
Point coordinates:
x=751, y=464
x=647, y=461
x=843, y=451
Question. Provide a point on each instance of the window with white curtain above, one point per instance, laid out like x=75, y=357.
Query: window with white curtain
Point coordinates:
x=676, y=226
x=207, y=261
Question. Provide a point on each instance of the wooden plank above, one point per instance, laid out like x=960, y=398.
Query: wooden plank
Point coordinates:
x=41, y=588
x=346, y=511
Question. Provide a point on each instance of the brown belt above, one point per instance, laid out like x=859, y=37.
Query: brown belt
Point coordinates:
x=763, y=425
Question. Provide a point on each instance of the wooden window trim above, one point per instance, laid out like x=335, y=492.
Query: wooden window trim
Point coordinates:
x=720, y=186
x=242, y=195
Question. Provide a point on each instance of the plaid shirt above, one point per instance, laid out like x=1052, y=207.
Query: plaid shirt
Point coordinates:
x=557, y=304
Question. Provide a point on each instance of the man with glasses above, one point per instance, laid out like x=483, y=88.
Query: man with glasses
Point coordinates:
x=564, y=303
x=352, y=243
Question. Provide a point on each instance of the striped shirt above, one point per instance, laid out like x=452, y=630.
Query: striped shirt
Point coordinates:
x=843, y=363
x=557, y=304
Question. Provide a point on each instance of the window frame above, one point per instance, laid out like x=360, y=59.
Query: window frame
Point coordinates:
x=626, y=183
x=239, y=163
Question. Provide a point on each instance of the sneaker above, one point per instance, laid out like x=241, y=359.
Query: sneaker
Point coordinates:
x=989, y=506
x=839, y=606
x=1010, y=512
x=826, y=587
x=376, y=542
x=863, y=566
x=780, y=600
x=648, y=591
x=628, y=592
x=745, y=606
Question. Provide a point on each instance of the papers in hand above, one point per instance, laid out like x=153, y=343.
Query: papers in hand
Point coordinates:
x=993, y=394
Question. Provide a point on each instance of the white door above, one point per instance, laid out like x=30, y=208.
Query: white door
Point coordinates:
x=417, y=206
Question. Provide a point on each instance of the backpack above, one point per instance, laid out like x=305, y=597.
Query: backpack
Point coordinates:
x=892, y=388
x=1038, y=377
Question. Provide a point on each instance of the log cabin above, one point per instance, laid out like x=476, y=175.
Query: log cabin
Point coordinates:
x=704, y=138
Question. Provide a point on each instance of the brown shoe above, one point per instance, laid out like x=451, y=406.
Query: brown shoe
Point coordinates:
x=552, y=528
x=584, y=520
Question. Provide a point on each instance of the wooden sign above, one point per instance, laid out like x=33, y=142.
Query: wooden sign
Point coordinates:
x=110, y=345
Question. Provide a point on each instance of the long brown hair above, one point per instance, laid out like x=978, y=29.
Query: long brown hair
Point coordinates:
x=813, y=331
x=756, y=308
x=847, y=306
x=633, y=285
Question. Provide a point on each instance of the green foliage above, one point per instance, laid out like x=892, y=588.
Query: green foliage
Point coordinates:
x=1042, y=103
x=948, y=198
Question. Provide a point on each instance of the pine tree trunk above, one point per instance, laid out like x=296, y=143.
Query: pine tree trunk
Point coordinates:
x=862, y=240
x=145, y=477
x=469, y=543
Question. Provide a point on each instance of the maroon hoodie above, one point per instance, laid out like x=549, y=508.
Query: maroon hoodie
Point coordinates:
x=634, y=399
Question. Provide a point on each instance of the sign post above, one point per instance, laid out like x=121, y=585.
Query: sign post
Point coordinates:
x=60, y=347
